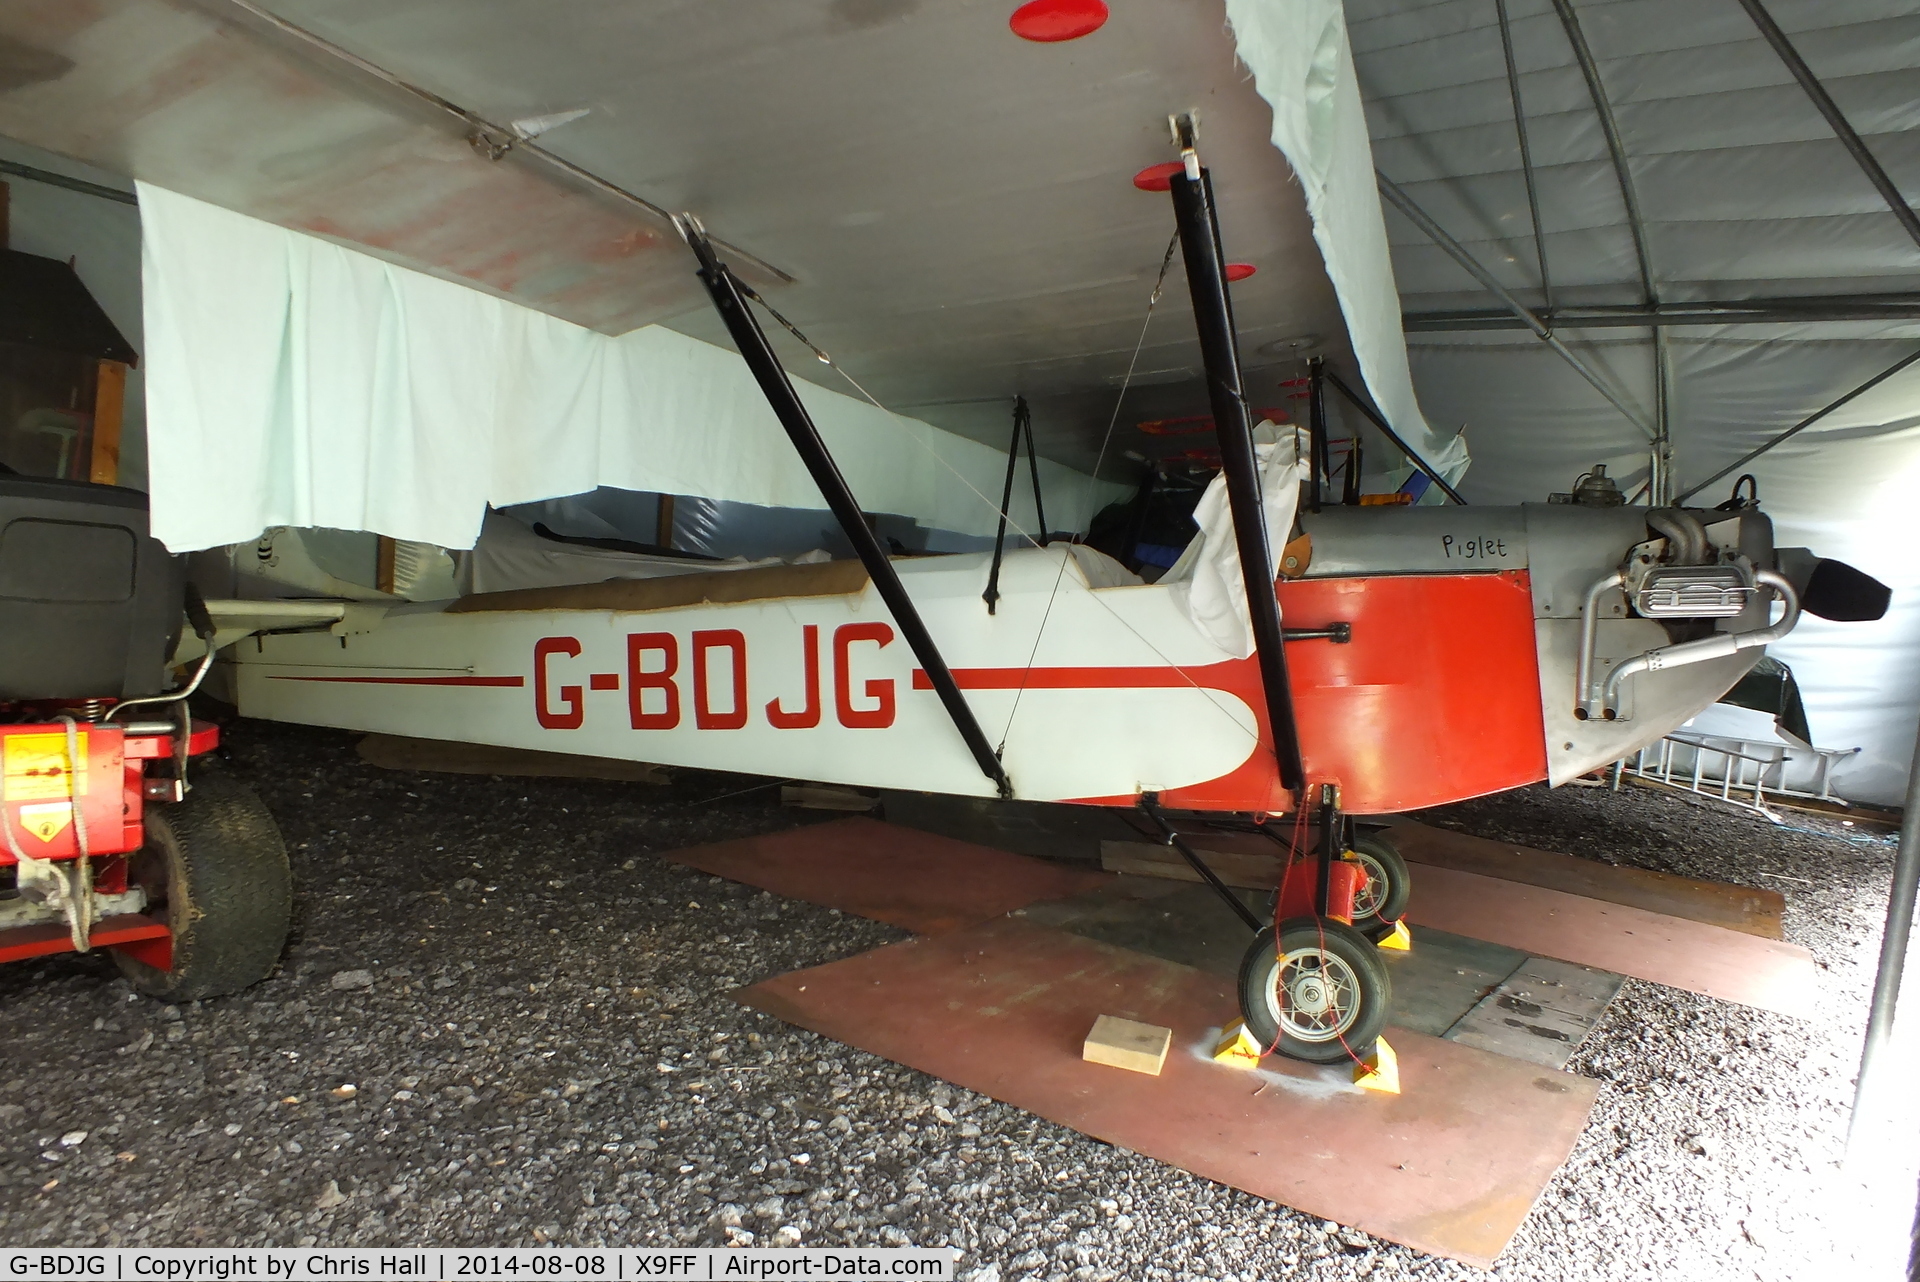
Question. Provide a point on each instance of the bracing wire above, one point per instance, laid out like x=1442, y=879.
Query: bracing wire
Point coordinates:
x=1133, y=361
x=1093, y=479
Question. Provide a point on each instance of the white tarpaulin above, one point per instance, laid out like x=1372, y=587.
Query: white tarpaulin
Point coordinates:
x=1207, y=580
x=292, y=381
x=1303, y=66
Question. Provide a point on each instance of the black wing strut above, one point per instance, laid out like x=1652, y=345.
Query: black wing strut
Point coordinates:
x=767, y=371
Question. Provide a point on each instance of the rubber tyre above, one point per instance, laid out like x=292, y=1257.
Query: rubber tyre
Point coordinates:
x=215, y=868
x=1384, y=864
x=1346, y=946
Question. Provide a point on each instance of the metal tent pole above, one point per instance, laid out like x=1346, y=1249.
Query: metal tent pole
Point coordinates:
x=1836, y=120
x=1541, y=330
x=1379, y=420
x=1526, y=152
x=1893, y=948
x=1193, y=210
x=793, y=416
x=1802, y=425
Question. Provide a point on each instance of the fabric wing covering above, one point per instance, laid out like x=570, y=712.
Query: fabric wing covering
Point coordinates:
x=293, y=381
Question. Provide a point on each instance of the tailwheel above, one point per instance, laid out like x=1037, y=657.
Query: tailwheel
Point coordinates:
x=215, y=870
x=1318, y=991
x=1382, y=899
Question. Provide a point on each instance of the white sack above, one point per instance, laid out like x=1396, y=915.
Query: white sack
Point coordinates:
x=293, y=381
x=1206, y=580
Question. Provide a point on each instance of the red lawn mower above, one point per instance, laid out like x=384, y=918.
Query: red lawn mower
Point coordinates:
x=116, y=836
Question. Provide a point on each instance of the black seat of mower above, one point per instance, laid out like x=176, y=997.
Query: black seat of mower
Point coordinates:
x=90, y=604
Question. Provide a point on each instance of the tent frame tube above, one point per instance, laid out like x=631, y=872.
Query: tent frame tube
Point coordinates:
x=1893, y=950
x=14, y=169
x=1616, y=150
x=1801, y=426
x=1659, y=459
x=1806, y=309
x=731, y=303
x=1526, y=151
x=1836, y=119
x=1459, y=253
x=1194, y=213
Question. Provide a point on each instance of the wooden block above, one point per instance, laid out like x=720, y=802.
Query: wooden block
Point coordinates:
x=1747, y=909
x=825, y=797
x=1129, y=1044
x=1245, y=869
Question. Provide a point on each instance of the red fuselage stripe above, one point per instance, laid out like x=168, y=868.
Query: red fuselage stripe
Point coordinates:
x=512, y=682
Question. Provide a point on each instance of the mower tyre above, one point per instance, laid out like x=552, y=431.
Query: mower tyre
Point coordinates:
x=215, y=870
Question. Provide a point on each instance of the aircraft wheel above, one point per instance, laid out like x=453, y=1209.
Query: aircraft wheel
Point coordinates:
x=215, y=869
x=1318, y=993
x=1382, y=899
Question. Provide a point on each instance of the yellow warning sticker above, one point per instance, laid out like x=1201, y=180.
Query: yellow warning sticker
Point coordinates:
x=46, y=819
x=36, y=766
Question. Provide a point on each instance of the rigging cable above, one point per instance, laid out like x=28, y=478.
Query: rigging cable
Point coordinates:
x=1211, y=696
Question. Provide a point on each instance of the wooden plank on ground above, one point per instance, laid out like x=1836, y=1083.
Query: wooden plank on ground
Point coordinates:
x=1450, y=1166
x=814, y=796
x=1743, y=908
x=1249, y=870
x=445, y=756
x=1674, y=951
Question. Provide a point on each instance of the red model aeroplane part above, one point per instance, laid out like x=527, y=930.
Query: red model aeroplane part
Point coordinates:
x=1436, y=697
x=136, y=934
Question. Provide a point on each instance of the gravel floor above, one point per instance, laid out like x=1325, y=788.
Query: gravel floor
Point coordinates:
x=503, y=1021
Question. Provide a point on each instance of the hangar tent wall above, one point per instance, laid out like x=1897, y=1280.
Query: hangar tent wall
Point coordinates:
x=293, y=381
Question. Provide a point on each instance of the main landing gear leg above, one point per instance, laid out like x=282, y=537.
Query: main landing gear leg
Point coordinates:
x=1312, y=986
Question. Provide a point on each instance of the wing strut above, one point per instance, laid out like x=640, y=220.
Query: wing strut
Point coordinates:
x=1193, y=211
x=731, y=303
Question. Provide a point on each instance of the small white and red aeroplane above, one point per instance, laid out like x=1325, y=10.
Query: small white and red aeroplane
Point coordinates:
x=1428, y=654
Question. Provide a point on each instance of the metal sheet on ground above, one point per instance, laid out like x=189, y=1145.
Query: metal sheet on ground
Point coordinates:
x=1748, y=909
x=1709, y=960
x=1540, y=1013
x=1449, y=1166
x=1444, y=976
x=901, y=876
